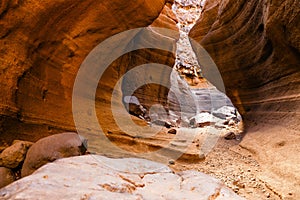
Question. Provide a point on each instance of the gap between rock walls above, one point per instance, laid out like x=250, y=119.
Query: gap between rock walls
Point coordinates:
x=193, y=102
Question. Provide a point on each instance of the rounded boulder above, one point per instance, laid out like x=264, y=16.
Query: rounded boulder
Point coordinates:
x=51, y=148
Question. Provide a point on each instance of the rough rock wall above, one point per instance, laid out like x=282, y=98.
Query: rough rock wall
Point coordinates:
x=256, y=46
x=43, y=44
x=150, y=94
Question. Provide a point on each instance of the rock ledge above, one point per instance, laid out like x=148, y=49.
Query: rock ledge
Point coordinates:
x=98, y=177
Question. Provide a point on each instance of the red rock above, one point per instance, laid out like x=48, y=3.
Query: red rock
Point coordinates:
x=42, y=46
x=6, y=177
x=256, y=48
x=51, y=148
x=13, y=156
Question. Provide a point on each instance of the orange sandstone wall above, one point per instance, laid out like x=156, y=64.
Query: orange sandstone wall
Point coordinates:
x=256, y=46
x=43, y=43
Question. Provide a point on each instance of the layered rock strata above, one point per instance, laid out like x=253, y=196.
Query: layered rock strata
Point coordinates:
x=42, y=47
x=256, y=46
x=192, y=100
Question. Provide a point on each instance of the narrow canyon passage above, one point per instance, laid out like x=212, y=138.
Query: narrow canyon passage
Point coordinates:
x=171, y=88
x=192, y=98
x=192, y=101
x=195, y=104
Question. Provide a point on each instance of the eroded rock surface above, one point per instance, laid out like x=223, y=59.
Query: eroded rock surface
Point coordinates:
x=201, y=106
x=14, y=155
x=187, y=12
x=97, y=177
x=256, y=46
x=43, y=44
x=6, y=177
x=51, y=148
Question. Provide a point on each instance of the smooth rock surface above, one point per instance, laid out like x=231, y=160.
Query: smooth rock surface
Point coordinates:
x=42, y=46
x=6, y=177
x=51, y=148
x=256, y=46
x=97, y=177
x=14, y=155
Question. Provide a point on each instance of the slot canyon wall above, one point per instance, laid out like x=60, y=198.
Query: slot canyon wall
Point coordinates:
x=256, y=46
x=42, y=47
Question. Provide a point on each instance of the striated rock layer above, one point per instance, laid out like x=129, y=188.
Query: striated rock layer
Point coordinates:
x=256, y=46
x=43, y=44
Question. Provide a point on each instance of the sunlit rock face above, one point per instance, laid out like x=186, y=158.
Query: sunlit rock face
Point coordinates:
x=100, y=177
x=150, y=94
x=255, y=45
x=192, y=100
x=187, y=13
x=43, y=44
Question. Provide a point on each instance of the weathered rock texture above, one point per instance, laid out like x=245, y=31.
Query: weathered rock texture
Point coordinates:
x=43, y=44
x=187, y=12
x=13, y=156
x=104, y=178
x=6, y=176
x=256, y=46
x=50, y=149
x=150, y=94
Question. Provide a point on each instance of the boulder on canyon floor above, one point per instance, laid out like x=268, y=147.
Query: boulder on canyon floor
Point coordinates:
x=51, y=148
x=98, y=177
x=6, y=176
x=14, y=155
